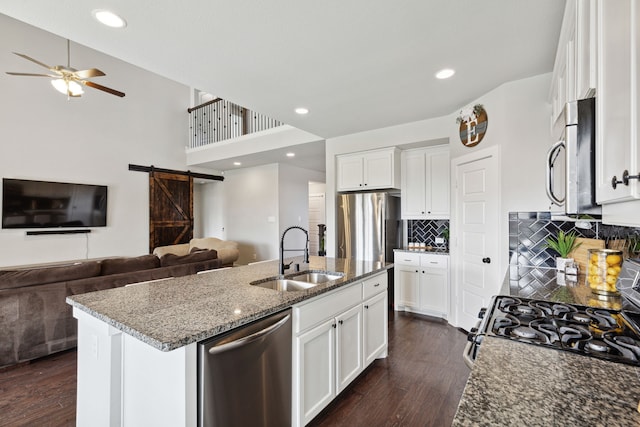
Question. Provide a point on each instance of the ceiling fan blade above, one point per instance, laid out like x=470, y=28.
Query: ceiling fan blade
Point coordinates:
x=87, y=74
x=31, y=74
x=28, y=58
x=102, y=88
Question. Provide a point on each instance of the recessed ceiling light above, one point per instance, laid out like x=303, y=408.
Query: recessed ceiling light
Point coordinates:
x=109, y=18
x=237, y=164
x=301, y=110
x=291, y=154
x=445, y=73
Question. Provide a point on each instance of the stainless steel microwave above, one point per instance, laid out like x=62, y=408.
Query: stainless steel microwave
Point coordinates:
x=571, y=163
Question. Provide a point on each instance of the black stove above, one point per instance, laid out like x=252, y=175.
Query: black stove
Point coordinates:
x=606, y=334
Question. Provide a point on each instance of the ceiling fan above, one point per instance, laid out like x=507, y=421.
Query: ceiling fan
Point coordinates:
x=67, y=80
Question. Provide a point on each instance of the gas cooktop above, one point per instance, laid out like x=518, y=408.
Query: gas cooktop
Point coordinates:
x=606, y=334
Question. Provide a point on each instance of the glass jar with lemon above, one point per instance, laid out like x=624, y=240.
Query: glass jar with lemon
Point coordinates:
x=604, y=268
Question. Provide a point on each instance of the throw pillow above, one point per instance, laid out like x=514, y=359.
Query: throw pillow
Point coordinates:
x=171, y=259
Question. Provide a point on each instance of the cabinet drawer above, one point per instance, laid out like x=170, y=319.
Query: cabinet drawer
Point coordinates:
x=434, y=261
x=374, y=285
x=406, y=258
x=325, y=307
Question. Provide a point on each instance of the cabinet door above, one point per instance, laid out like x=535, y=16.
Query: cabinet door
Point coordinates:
x=585, y=45
x=433, y=290
x=350, y=172
x=438, y=185
x=407, y=280
x=413, y=184
x=375, y=326
x=315, y=371
x=378, y=170
x=617, y=109
x=348, y=347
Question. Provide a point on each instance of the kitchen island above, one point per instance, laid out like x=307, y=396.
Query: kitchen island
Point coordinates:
x=514, y=383
x=137, y=361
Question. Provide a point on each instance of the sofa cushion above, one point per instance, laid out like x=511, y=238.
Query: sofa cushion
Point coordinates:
x=171, y=259
x=179, y=249
x=38, y=276
x=129, y=264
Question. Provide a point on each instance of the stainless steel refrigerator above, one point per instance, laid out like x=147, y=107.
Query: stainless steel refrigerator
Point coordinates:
x=368, y=226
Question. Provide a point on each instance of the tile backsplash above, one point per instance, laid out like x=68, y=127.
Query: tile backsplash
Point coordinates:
x=528, y=231
x=419, y=230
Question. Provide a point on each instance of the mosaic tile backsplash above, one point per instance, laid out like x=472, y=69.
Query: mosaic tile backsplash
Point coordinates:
x=420, y=230
x=528, y=231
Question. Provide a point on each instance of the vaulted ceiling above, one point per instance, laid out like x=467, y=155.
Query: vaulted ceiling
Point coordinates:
x=355, y=64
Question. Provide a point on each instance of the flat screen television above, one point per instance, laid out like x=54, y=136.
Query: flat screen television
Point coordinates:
x=41, y=204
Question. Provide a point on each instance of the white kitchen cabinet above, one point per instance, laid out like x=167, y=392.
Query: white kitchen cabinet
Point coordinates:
x=374, y=322
x=575, y=67
x=425, y=183
x=315, y=351
x=348, y=347
x=422, y=283
x=617, y=114
x=368, y=170
x=331, y=333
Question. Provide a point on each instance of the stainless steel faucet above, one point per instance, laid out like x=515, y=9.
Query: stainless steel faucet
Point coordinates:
x=283, y=267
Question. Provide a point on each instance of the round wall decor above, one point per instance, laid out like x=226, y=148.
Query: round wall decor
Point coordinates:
x=473, y=125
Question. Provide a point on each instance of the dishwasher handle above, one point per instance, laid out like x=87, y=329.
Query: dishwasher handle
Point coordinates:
x=249, y=338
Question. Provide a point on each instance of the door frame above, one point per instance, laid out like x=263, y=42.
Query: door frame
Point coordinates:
x=454, y=250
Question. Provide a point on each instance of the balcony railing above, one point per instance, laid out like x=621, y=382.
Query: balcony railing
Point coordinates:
x=218, y=120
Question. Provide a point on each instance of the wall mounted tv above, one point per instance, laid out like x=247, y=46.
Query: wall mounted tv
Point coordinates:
x=40, y=204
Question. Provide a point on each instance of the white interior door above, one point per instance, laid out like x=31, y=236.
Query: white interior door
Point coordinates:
x=478, y=235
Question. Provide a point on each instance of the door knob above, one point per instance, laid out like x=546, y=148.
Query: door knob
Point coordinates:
x=486, y=260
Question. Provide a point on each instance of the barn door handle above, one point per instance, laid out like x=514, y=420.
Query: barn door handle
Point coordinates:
x=486, y=260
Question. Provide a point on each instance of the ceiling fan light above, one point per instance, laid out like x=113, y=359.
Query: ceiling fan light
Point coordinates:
x=67, y=88
x=75, y=89
x=60, y=85
x=109, y=18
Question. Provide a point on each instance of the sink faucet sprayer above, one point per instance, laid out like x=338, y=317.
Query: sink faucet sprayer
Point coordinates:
x=283, y=267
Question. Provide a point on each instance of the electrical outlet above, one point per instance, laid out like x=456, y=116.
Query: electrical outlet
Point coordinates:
x=255, y=256
x=439, y=240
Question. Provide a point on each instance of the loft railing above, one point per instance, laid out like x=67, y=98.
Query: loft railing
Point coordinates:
x=218, y=120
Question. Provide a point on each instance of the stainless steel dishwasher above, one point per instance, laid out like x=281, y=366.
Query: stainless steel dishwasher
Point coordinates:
x=244, y=376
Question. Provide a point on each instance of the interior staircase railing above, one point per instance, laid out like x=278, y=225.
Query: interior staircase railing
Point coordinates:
x=219, y=120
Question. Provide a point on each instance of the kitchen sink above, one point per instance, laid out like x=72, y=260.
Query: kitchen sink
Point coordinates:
x=285, y=285
x=317, y=278
x=297, y=282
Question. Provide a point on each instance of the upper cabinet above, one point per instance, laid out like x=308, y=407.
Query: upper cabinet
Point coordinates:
x=425, y=183
x=575, y=68
x=369, y=170
x=618, y=114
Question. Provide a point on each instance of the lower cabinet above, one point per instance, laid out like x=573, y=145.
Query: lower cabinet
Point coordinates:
x=422, y=283
x=335, y=337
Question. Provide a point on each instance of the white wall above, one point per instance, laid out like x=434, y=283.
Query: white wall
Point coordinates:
x=260, y=203
x=251, y=214
x=294, y=204
x=91, y=140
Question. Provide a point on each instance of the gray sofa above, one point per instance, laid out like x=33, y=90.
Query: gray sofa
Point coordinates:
x=36, y=321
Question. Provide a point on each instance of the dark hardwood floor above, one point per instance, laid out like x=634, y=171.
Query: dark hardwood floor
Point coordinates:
x=419, y=384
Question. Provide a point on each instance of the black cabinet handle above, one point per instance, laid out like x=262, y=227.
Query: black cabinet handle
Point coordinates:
x=486, y=260
x=366, y=306
x=340, y=321
x=625, y=179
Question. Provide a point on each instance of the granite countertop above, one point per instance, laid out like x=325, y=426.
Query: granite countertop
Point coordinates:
x=173, y=313
x=514, y=383
x=428, y=250
x=521, y=384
